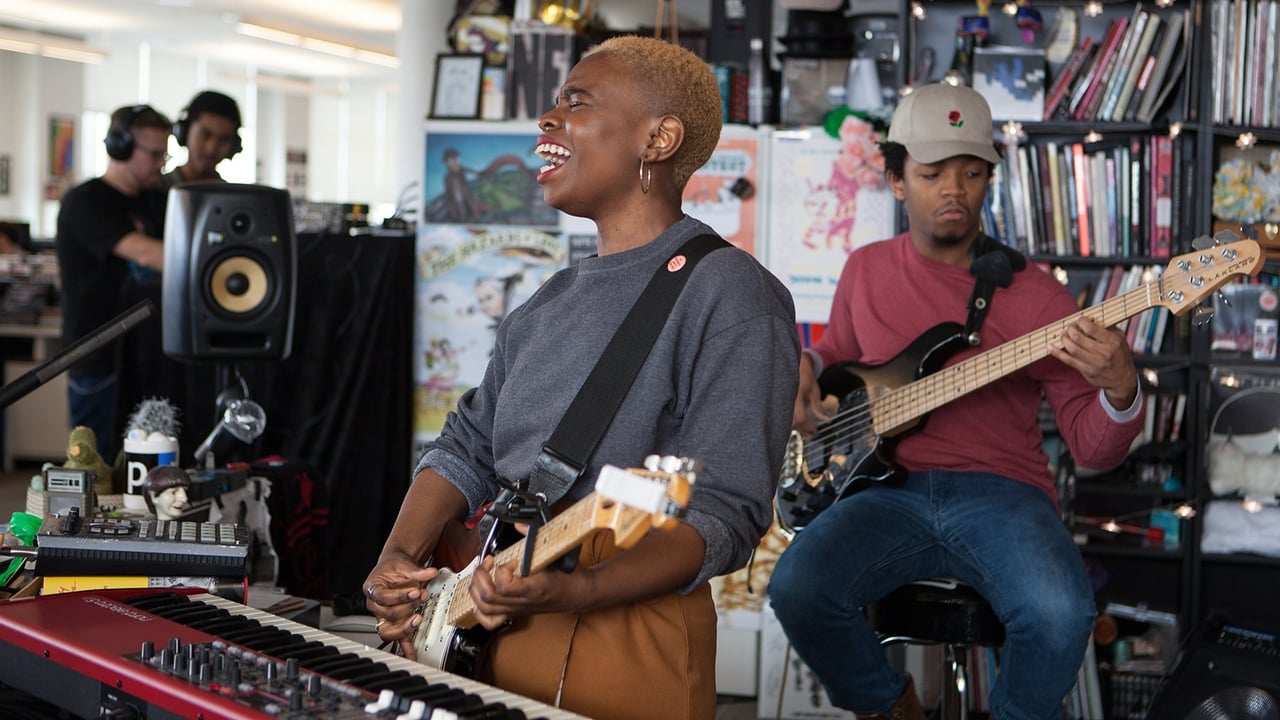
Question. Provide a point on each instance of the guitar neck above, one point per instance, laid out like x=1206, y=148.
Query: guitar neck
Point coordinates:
x=565, y=531
x=904, y=405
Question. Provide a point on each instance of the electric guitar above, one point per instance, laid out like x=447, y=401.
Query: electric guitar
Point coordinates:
x=627, y=502
x=881, y=403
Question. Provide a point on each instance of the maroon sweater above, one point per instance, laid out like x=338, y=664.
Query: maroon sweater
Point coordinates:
x=889, y=294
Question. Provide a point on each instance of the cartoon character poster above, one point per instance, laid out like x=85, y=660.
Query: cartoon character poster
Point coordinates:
x=723, y=192
x=469, y=278
x=484, y=177
x=826, y=198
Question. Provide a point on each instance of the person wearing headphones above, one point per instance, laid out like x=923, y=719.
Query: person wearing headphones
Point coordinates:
x=209, y=128
x=107, y=231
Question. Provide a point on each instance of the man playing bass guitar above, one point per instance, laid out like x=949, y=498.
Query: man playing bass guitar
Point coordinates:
x=977, y=501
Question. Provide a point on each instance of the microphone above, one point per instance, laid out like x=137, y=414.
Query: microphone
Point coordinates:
x=242, y=420
x=75, y=352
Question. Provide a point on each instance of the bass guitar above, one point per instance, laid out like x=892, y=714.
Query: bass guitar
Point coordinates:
x=880, y=404
x=626, y=502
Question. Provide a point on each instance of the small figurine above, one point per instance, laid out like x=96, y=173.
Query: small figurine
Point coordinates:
x=82, y=453
x=165, y=492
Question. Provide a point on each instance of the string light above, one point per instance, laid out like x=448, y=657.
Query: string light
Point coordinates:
x=1093, y=8
x=1012, y=131
x=1246, y=140
x=917, y=11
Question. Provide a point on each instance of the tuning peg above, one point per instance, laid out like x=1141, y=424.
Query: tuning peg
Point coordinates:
x=1201, y=316
x=652, y=463
x=1204, y=242
x=1223, y=237
x=691, y=467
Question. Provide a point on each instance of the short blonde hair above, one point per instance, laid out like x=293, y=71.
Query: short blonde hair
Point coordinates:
x=676, y=82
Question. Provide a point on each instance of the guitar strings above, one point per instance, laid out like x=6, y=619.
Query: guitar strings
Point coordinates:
x=1000, y=360
x=846, y=424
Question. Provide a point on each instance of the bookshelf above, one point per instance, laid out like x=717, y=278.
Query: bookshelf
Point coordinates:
x=1238, y=120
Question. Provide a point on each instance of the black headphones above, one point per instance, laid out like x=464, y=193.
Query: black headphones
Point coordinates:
x=119, y=138
x=215, y=104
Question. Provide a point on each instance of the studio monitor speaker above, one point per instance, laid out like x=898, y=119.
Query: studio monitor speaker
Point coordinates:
x=230, y=263
x=1226, y=673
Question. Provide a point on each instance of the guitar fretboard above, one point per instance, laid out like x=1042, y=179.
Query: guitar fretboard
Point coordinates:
x=905, y=404
x=554, y=539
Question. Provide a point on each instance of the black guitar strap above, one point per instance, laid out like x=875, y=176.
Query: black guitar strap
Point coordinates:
x=993, y=265
x=566, y=453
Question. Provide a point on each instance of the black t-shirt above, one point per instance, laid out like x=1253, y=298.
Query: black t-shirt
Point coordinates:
x=93, y=218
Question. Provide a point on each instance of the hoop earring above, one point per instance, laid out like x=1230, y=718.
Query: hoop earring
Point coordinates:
x=646, y=178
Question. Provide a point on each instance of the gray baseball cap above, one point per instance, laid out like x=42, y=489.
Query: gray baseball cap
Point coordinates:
x=940, y=120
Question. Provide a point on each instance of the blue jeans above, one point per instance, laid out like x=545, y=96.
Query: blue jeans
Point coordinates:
x=91, y=401
x=1002, y=537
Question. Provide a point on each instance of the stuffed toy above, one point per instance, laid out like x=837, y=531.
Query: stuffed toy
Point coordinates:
x=1233, y=470
x=82, y=453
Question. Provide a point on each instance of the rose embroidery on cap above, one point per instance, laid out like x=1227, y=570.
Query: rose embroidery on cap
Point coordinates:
x=954, y=119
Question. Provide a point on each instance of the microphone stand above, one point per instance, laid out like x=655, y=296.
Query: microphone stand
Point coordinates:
x=75, y=352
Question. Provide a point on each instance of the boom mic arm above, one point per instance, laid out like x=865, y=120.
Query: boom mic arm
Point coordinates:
x=75, y=352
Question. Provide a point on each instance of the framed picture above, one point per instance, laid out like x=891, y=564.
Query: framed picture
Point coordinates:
x=457, y=89
x=62, y=136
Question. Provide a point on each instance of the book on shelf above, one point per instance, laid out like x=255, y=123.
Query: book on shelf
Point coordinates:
x=1161, y=196
x=1137, y=200
x=1087, y=106
x=1145, y=71
x=1179, y=412
x=1084, y=245
x=1068, y=75
x=1270, y=59
x=1168, y=68
x=1090, y=70
x=1031, y=192
x=1123, y=62
x=1220, y=33
x=1050, y=186
x=1239, y=58
x=1141, y=53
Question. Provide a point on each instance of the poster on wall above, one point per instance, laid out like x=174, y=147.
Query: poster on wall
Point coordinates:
x=722, y=193
x=827, y=197
x=488, y=241
x=484, y=173
x=62, y=138
x=469, y=277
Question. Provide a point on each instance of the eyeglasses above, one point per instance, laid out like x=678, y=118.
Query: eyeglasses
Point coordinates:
x=159, y=155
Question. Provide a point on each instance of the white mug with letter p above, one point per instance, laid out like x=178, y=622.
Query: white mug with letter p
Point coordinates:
x=141, y=453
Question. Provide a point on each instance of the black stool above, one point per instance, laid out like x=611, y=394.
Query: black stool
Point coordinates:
x=940, y=611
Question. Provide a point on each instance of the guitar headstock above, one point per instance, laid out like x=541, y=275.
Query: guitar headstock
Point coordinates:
x=1192, y=277
x=632, y=501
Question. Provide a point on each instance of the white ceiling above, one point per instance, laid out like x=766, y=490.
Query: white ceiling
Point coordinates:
x=207, y=28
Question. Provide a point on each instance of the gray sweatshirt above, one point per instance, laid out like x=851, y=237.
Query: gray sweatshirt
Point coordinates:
x=718, y=386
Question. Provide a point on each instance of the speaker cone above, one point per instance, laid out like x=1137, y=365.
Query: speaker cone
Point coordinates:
x=238, y=284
